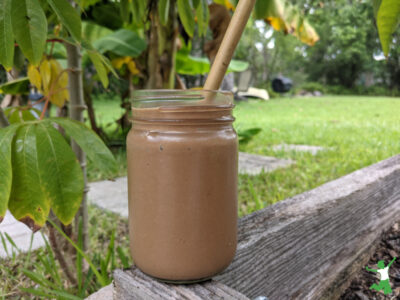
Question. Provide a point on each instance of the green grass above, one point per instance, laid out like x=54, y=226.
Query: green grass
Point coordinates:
x=357, y=131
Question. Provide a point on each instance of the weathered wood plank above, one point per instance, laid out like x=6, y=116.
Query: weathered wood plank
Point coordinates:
x=133, y=284
x=305, y=247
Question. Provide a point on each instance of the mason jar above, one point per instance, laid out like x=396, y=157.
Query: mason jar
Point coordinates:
x=182, y=154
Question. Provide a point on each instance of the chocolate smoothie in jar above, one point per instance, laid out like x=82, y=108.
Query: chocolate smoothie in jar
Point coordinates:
x=182, y=156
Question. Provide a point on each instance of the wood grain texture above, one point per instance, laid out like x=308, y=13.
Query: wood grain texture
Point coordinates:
x=305, y=247
x=133, y=284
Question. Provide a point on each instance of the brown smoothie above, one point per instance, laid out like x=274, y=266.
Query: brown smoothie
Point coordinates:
x=182, y=183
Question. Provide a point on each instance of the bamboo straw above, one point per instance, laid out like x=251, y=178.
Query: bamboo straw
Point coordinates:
x=229, y=43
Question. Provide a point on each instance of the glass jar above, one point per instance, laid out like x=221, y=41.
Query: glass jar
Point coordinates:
x=182, y=154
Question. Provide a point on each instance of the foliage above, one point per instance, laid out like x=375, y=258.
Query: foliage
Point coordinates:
x=36, y=274
x=282, y=16
x=190, y=65
x=245, y=136
x=347, y=43
x=51, y=81
x=42, y=172
x=387, y=19
x=312, y=87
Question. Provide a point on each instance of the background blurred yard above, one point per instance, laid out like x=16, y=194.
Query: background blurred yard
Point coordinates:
x=355, y=132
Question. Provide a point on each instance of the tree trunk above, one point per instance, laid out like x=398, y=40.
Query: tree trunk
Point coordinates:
x=3, y=119
x=77, y=106
x=162, y=50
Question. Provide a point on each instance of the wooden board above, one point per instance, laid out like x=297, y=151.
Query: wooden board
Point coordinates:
x=133, y=284
x=305, y=247
x=309, y=246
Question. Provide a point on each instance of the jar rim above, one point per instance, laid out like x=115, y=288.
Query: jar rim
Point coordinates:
x=178, y=98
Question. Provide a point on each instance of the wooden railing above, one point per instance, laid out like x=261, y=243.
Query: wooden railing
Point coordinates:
x=305, y=247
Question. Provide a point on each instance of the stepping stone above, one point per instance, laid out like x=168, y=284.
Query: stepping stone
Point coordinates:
x=20, y=234
x=301, y=148
x=253, y=164
x=113, y=195
x=110, y=195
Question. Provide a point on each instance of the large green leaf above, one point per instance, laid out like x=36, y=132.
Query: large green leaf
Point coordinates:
x=99, y=66
x=190, y=65
x=387, y=21
x=89, y=142
x=93, y=32
x=29, y=201
x=61, y=172
x=203, y=16
x=29, y=25
x=6, y=35
x=6, y=137
x=185, y=11
x=375, y=5
x=20, y=114
x=68, y=16
x=163, y=11
x=16, y=87
x=122, y=42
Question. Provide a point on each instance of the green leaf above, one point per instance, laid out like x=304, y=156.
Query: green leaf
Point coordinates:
x=16, y=87
x=61, y=172
x=123, y=42
x=90, y=143
x=101, y=69
x=29, y=201
x=6, y=137
x=68, y=16
x=93, y=32
x=138, y=9
x=124, y=10
x=185, y=12
x=6, y=35
x=163, y=11
x=29, y=25
x=20, y=114
x=203, y=17
x=190, y=65
x=387, y=20
x=375, y=5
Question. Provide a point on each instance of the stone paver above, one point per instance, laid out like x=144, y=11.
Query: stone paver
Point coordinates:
x=253, y=164
x=110, y=195
x=20, y=234
x=113, y=195
x=301, y=148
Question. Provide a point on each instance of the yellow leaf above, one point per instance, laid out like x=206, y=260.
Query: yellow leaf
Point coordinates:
x=34, y=77
x=305, y=33
x=59, y=84
x=277, y=23
x=229, y=5
x=118, y=62
x=45, y=74
x=132, y=68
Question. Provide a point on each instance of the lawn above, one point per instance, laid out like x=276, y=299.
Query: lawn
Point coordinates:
x=356, y=132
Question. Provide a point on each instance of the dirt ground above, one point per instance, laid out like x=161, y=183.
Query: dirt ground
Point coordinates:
x=388, y=248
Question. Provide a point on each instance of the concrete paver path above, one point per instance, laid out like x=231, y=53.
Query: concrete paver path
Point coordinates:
x=20, y=234
x=113, y=195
